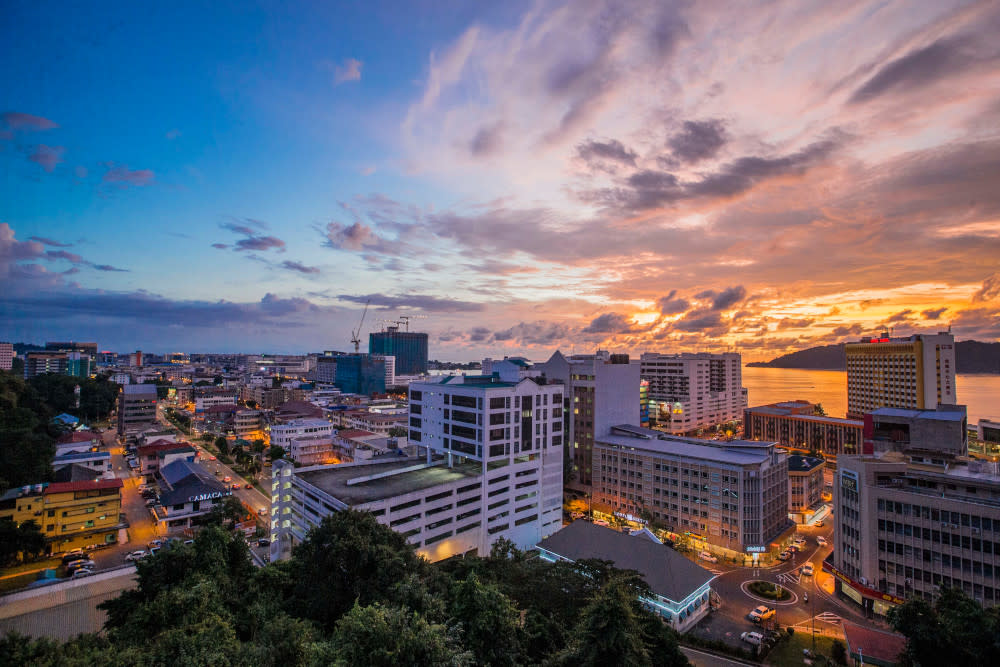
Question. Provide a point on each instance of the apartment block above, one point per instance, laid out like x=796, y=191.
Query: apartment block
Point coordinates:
x=136, y=408
x=209, y=397
x=731, y=496
x=602, y=390
x=283, y=434
x=6, y=356
x=71, y=514
x=792, y=424
x=688, y=392
x=493, y=468
x=917, y=373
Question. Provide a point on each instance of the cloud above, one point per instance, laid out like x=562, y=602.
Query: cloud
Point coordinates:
x=24, y=121
x=789, y=323
x=47, y=156
x=990, y=289
x=725, y=299
x=368, y=170
x=933, y=313
x=610, y=323
x=487, y=141
x=80, y=171
x=350, y=70
x=901, y=316
x=538, y=333
x=698, y=140
x=852, y=330
x=301, y=268
x=219, y=246
x=122, y=176
x=870, y=303
x=706, y=321
x=108, y=267
x=416, y=301
x=50, y=242
x=612, y=150
x=479, y=335
x=62, y=254
x=259, y=243
x=252, y=241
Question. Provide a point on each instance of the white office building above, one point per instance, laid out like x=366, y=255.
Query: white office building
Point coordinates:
x=688, y=392
x=493, y=469
x=283, y=434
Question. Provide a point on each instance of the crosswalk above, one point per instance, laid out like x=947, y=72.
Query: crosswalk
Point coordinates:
x=828, y=617
x=789, y=578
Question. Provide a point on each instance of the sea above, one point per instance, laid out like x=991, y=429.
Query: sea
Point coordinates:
x=981, y=393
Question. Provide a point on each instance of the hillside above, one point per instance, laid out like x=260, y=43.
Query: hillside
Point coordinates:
x=970, y=356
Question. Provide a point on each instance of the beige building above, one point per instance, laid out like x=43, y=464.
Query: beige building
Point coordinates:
x=805, y=487
x=793, y=425
x=917, y=372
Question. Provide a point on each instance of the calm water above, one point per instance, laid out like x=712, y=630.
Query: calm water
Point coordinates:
x=771, y=385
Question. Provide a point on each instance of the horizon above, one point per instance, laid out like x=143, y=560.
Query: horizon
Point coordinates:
x=525, y=178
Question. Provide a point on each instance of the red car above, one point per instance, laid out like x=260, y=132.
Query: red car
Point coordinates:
x=248, y=486
x=236, y=486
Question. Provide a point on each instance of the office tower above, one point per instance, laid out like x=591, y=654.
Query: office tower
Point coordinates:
x=732, y=495
x=602, y=390
x=72, y=346
x=361, y=374
x=408, y=347
x=326, y=367
x=6, y=356
x=493, y=469
x=688, y=392
x=40, y=363
x=917, y=373
x=136, y=408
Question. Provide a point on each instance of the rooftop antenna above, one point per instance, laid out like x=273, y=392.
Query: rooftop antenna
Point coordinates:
x=355, y=334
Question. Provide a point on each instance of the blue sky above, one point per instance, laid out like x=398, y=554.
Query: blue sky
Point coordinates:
x=527, y=175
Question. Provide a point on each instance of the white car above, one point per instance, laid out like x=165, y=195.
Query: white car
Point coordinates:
x=807, y=570
x=82, y=572
x=754, y=638
x=821, y=541
x=704, y=555
x=136, y=555
x=799, y=541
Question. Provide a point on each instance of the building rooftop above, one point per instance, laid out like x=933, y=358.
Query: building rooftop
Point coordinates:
x=680, y=447
x=76, y=436
x=66, y=487
x=340, y=482
x=877, y=647
x=81, y=456
x=668, y=573
x=798, y=463
x=952, y=413
x=139, y=389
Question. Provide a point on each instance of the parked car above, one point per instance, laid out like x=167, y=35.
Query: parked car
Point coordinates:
x=602, y=522
x=793, y=548
x=136, y=555
x=264, y=543
x=820, y=524
x=821, y=541
x=704, y=555
x=82, y=572
x=211, y=458
x=248, y=486
x=784, y=555
x=77, y=564
x=261, y=511
x=807, y=570
x=155, y=543
x=227, y=478
x=188, y=541
x=236, y=487
x=154, y=551
x=754, y=638
x=761, y=613
x=576, y=515
x=75, y=554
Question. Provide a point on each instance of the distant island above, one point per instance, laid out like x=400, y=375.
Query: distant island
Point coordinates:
x=970, y=357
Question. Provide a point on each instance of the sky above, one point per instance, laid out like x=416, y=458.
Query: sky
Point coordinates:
x=759, y=177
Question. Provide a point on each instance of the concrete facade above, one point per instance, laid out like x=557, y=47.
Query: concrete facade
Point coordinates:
x=688, y=392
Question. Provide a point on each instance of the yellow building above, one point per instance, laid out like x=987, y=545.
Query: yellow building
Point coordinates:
x=70, y=514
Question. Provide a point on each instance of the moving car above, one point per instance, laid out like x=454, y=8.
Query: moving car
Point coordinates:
x=77, y=564
x=261, y=511
x=136, y=555
x=754, y=638
x=761, y=613
x=227, y=478
x=704, y=555
x=821, y=541
x=784, y=555
x=248, y=486
x=82, y=572
x=820, y=524
x=236, y=487
x=807, y=570
x=211, y=458
x=155, y=543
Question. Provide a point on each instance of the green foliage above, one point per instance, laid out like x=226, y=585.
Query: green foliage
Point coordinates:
x=275, y=452
x=838, y=652
x=356, y=593
x=97, y=395
x=954, y=630
x=222, y=445
x=20, y=542
x=398, y=432
x=26, y=442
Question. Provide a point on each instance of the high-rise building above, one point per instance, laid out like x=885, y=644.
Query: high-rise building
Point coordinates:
x=917, y=372
x=326, y=367
x=731, y=496
x=361, y=374
x=805, y=487
x=602, y=390
x=688, y=392
x=72, y=346
x=6, y=356
x=493, y=470
x=408, y=347
x=40, y=363
x=136, y=407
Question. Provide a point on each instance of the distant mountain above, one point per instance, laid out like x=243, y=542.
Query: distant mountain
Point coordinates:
x=970, y=357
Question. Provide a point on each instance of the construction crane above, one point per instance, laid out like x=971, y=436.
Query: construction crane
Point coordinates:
x=405, y=319
x=355, y=334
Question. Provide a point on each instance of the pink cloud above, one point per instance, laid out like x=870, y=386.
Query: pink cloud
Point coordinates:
x=25, y=121
x=47, y=156
x=125, y=176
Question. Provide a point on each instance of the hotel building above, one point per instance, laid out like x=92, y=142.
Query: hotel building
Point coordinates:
x=732, y=496
x=793, y=425
x=916, y=373
x=688, y=392
x=493, y=469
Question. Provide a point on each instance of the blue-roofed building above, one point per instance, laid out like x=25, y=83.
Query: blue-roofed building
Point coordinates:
x=728, y=497
x=66, y=420
x=187, y=492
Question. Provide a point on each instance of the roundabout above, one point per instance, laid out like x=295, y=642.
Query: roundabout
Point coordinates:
x=786, y=597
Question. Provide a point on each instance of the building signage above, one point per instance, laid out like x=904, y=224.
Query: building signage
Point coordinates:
x=860, y=588
x=756, y=550
x=849, y=480
x=208, y=496
x=629, y=517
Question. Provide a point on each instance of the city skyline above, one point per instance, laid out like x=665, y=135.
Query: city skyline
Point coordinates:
x=645, y=176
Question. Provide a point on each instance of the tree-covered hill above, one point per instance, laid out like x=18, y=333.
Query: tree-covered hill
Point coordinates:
x=970, y=357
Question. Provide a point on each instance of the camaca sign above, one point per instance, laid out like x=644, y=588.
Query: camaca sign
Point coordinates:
x=208, y=496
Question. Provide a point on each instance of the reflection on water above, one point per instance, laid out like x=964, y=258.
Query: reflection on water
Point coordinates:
x=771, y=385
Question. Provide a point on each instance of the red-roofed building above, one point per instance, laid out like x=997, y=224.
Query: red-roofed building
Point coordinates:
x=77, y=442
x=868, y=646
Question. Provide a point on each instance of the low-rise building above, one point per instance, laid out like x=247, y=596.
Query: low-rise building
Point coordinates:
x=282, y=434
x=206, y=397
x=375, y=422
x=70, y=514
x=154, y=456
x=805, y=487
x=795, y=425
x=310, y=450
x=187, y=493
x=731, y=497
x=76, y=442
x=98, y=461
x=680, y=588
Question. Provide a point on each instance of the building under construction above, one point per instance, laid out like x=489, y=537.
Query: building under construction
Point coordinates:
x=408, y=347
